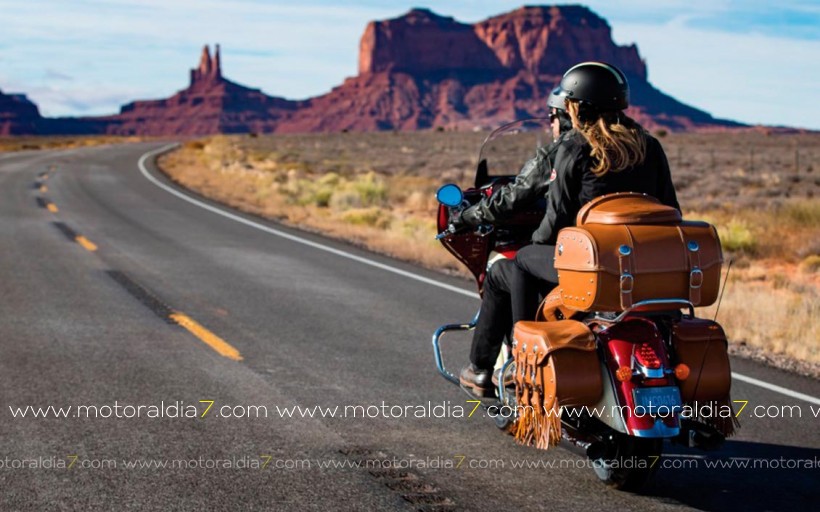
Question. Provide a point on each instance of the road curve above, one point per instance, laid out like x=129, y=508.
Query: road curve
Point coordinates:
x=116, y=291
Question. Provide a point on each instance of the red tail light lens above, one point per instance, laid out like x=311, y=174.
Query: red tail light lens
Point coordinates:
x=647, y=357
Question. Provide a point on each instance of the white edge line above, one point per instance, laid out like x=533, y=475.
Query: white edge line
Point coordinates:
x=776, y=388
x=388, y=268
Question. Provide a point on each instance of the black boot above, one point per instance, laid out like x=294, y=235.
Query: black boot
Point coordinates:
x=476, y=381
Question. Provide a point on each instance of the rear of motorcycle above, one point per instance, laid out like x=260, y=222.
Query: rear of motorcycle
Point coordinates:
x=615, y=380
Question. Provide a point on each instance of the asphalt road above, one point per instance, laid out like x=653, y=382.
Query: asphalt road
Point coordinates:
x=101, y=270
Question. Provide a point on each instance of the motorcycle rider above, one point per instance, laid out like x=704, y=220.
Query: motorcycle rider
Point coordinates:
x=530, y=185
x=605, y=151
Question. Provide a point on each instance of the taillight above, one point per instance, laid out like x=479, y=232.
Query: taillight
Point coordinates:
x=647, y=357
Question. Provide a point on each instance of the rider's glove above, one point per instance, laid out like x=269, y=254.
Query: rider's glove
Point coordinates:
x=470, y=217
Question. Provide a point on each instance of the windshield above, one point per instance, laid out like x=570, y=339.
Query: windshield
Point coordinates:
x=507, y=148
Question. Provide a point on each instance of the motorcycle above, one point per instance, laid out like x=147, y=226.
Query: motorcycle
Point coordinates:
x=615, y=361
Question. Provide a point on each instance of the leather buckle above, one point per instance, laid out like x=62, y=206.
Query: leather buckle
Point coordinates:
x=626, y=277
x=695, y=278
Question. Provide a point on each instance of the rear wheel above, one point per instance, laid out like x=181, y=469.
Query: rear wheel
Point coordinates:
x=629, y=463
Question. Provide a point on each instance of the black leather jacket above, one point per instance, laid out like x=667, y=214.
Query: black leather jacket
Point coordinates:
x=531, y=184
x=561, y=172
x=575, y=184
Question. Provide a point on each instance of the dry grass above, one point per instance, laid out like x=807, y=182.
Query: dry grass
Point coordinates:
x=775, y=307
x=377, y=190
x=24, y=143
x=388, y=214
x=786, y=231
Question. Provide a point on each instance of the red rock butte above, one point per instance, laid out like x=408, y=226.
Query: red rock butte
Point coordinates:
x=18, y=115
x=417, y=71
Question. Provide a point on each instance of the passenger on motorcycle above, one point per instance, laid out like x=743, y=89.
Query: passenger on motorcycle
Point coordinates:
x=599, y=151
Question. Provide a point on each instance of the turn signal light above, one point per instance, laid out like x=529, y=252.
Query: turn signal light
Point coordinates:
x=682, y=372
x=624, y=373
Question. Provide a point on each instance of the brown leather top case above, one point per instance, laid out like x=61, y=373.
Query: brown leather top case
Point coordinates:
x=629, y=248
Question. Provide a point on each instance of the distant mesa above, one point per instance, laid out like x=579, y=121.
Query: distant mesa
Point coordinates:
x=18, y=115
x=210, y=104
x=417, y=71
x=423, y=70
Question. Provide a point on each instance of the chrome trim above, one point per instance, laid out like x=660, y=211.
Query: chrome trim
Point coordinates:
x=651, y=302
x=608, y=399
x=658, y=430
x=626, y=276
x=501, y=379
x=437, y=345
x=649, y=373
x=692, y=274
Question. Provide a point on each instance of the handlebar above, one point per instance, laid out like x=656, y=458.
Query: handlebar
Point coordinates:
x=451, y=230
x=480, y=230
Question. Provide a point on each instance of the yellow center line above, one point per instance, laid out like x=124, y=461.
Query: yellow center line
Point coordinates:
x=87, y=244
x=212, y=340
x=52, y=207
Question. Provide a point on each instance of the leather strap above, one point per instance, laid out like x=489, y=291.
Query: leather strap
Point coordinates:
x=627, y=282
x=692, y=249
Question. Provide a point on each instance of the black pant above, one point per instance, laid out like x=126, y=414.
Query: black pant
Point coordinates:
x=512, y=292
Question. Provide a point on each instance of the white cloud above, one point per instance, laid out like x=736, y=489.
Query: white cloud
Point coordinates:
x=748, y=77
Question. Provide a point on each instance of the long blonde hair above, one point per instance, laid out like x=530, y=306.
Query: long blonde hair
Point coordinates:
x=617, y=141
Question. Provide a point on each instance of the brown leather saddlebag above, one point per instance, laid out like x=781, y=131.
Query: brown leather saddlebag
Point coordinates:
x=628, y=248
x=701, y=345
x=556, y=364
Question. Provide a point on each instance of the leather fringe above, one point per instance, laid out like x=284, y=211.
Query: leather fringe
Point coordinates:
x=539, y=428
x=536, y=425
x=726, y=426
x=549, y=428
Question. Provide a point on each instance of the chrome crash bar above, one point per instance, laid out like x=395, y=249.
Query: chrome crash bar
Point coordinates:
x=437, y=345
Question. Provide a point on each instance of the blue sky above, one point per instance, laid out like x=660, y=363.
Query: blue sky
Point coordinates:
x=752, y=61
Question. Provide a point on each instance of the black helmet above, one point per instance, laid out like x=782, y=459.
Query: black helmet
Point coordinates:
x=555, y=99
x=598, y=86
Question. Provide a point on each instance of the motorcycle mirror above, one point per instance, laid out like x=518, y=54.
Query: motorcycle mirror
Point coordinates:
x=450, y=195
